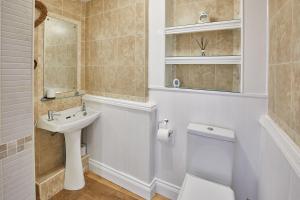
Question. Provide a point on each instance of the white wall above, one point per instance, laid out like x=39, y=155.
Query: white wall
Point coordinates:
x=121, y=142
x=255, y=46
x=280, y=164
x=239, y=112
x=235, y=112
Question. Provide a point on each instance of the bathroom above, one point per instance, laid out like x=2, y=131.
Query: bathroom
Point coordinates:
x=149, y=99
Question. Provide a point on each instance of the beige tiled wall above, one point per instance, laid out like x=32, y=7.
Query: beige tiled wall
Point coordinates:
x=220, y=43
x=284, y=68
x=208, y=77
x=53, y=182
x=116, y=48
x=183, y=12
x=49, y=148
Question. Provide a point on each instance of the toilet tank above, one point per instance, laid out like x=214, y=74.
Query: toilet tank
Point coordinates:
x=210, y=153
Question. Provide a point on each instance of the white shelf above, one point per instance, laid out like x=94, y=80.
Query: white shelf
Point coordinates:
x=213, y=26
x=219, y=93
x=203, y=60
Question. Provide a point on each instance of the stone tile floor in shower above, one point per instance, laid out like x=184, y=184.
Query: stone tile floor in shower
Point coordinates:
x=98, y=188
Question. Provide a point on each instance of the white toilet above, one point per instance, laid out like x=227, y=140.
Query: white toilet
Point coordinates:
x=210, y=153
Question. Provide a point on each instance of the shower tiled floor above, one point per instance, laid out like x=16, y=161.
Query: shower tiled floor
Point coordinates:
x=98, y=188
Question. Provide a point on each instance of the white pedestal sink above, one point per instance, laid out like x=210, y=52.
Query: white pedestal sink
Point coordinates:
x=70, y=123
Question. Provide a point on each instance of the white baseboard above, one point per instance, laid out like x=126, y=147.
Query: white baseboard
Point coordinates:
x=166, y=189
x=145, y=190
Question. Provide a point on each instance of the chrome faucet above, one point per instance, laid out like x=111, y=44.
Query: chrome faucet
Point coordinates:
x=51, y=115
x=83, y=110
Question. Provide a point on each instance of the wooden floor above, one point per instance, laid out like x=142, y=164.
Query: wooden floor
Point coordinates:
x=98, y=188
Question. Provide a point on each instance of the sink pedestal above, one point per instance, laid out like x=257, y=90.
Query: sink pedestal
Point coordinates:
x=70, y=122
x=74, y=179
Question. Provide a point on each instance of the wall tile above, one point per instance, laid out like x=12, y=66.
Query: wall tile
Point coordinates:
x=127, y=21
x=72, y=6
x=296, y=31
x=125, y=3
x=110, y=24
x=123, y=48
x=271, y=85
x=140, y=17
x=94, y=7
x=110, y=5
x=224, y=77
x=280, y=35
x=284, y=88
x=55, y=3
x=126, y=80
x=110, y=55
x=140, y=53
x=96, y=53
x=126, y=51
x=140, y=81
x=275, y=6
x=225, y=10
x=296, y=101
x=110, y=78
x=283, y=94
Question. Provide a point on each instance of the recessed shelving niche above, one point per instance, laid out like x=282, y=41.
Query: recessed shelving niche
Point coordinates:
x=221, y=66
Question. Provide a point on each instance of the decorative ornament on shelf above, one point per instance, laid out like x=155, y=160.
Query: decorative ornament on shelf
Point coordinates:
x=203, y=17
x=176, y=83
x=202, y=45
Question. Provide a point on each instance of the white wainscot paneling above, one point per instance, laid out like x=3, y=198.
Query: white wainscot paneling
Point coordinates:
x=237, y=112
x=121, y=143
x=280, y=164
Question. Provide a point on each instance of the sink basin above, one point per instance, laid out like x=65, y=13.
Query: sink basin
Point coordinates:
x=66, y=122
x=70, y=123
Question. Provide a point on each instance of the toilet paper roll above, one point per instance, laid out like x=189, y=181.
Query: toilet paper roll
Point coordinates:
x=163, y=134
x=51, y=93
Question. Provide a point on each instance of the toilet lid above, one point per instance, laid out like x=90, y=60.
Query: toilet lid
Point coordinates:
x=195, y=188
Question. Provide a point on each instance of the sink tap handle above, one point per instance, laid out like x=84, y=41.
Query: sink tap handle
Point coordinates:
x=51, y=115
x=83, y=107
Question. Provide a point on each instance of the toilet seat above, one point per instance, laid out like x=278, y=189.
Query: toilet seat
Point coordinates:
x=195, y=188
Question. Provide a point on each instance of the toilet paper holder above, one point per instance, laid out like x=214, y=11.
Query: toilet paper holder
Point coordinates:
x=164, y=124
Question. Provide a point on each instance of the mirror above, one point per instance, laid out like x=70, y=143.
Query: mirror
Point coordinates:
x=61, y=55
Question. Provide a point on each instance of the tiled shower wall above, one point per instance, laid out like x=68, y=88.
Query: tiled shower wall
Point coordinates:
x=49, y=148
x=16, y=108
x=284, y=65
x=116, y=49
